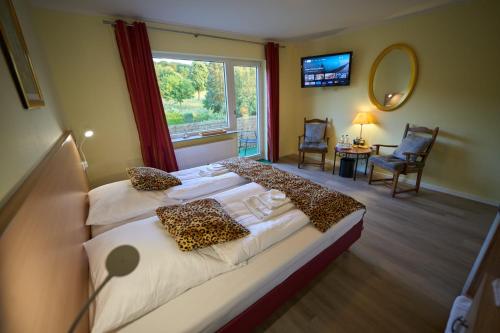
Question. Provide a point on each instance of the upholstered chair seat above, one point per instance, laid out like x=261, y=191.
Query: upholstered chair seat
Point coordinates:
x=320, y=146
x=390, y=162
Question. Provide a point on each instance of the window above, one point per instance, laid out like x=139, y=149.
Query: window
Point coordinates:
x=193, y=94
x=198, y=92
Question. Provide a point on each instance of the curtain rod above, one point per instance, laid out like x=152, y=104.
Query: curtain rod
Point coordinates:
x=195, y=34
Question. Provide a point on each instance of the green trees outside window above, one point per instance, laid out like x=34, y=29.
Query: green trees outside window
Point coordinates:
x=195, y=98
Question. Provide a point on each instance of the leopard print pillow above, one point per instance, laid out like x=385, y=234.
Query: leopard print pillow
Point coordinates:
x=151, y=179
x=200, y=223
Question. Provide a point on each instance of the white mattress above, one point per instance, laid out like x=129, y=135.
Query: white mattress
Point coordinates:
x=211, y=305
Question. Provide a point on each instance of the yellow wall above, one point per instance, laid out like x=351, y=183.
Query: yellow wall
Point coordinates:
x=87, y=71
x=458, y=89
x=25, y=136
x=451, y=43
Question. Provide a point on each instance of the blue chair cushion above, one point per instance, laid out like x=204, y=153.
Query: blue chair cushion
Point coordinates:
x=315, y=132
x=388, y=162
x=411, y=144
x=316, y=146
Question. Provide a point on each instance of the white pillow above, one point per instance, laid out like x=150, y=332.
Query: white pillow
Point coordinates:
x=163, y=273
x=121, y=202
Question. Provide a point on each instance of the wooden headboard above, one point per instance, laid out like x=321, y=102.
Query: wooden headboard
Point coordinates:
x=43, y=266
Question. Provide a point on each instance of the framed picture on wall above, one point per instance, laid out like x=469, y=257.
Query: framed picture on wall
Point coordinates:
x=16, y=54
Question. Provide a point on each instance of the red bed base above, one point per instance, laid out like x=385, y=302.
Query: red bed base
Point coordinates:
x=267, y=304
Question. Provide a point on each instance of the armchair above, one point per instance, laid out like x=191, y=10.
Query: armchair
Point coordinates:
x=409, y=157
x=313, y=140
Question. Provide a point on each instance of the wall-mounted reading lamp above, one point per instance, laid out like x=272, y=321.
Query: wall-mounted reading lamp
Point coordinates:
x=121, y=261
x=87, y=134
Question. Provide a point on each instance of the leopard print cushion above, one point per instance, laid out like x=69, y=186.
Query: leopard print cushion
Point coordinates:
x=199, y=224
x=151, y=179
x=323, y=206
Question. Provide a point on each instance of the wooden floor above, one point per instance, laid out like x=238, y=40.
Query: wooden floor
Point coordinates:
x=404, y=272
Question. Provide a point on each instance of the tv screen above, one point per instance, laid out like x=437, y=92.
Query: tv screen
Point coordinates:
x=326, y=70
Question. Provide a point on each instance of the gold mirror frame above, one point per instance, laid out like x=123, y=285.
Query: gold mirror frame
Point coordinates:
x=413, y=75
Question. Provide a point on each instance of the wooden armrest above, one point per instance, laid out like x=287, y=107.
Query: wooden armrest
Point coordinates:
x=378, y=145
x=417, y=154
x=298, y=144
x=381, y=145
x=408, y=155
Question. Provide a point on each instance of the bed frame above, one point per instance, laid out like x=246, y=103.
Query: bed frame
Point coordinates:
x=267, y=304
x=43, y=267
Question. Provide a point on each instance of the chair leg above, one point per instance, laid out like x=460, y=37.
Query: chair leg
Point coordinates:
x=419, y=177
x=371, y=174
x=395, y=180
x=323, y=162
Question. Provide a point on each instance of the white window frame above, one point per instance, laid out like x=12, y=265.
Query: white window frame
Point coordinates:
x=229, y=64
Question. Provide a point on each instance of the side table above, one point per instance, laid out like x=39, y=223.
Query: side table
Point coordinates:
x=355, y=152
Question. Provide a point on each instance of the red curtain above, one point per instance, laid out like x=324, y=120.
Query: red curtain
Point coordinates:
x=273, y=97
x=156, y=146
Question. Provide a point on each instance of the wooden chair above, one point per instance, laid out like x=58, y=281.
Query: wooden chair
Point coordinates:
x=313, y=140
x=409, y=158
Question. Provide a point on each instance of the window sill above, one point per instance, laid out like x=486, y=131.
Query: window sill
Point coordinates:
x=202, y=139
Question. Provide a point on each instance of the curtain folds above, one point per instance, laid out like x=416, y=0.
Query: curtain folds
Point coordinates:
x=273, y=86
x=137, y=60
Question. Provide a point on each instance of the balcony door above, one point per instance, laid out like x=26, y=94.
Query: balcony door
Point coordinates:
x=249, y=118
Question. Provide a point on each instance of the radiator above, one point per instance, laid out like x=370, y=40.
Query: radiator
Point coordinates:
x=189, y=157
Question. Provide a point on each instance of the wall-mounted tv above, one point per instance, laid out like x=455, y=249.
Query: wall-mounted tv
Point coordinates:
x=326, y=70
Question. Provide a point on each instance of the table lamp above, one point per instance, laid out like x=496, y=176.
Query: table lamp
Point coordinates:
x=362, y=118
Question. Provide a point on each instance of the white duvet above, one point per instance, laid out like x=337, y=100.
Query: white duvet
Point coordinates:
x=199, y=171
x=164, y=272
x=197, y=187
x=263, y=233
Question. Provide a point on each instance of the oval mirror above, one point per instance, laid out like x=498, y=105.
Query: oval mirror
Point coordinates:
x=392, y=77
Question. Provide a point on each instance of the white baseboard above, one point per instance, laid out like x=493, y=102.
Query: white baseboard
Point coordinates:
x=428, y=186
x=442, y=189
x=459, y=194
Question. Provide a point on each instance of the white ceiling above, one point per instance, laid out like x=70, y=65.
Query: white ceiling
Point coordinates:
x=267, y=19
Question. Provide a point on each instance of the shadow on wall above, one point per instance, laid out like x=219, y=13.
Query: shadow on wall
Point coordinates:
x=449, y=146
x=452, y=136
x=332, y=134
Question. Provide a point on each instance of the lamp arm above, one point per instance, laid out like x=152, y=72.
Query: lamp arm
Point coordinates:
x=81, y=150
x=86, y=306
x=361, y=132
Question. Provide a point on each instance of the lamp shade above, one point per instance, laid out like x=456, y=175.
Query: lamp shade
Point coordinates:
x=363, y=118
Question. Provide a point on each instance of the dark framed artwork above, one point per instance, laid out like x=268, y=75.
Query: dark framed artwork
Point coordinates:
x=16, y=53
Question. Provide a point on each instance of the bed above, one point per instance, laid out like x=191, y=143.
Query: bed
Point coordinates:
x=42, y=258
